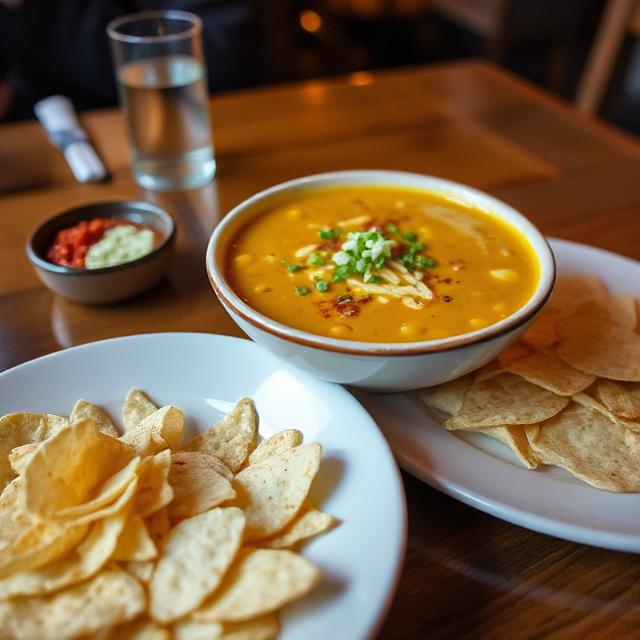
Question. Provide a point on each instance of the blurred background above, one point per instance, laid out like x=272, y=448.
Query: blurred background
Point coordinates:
x=586, y=51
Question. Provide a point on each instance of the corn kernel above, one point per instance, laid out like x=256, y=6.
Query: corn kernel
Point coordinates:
x=243, y=260
x=340, y=330
x=425, y=233
x=292, y=214
x=477, y=323
x=500, y=307
x=411, y=329
x=270, y=258
x=505, y=275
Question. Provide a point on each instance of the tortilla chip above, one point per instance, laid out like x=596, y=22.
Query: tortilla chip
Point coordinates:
x=591, y=447
x=107, y=510
x=83, y=562
x=307, y=523
x=547, y=370
x=515, y=438
x=263, y=628
x=27, y=542
x=271, y=492
x=595, y=405
x=86, y=410
x=233, y=438
x=136, y=630
x=568, y=294
x=135, y=409
x=613, y=308
x=260, y=581
x=107, y=493
x=601, y=350
x=154, y=490
x=197, y=486
x=516, y=351
x=621, y=398
x=135, y=543
x=20, y=456
x=110, y=598
x=446, y=397
x=277, y=443
x=158, y=526
x=142, y=571
x=15, y=520
x=160, y=430
x=489, y=370
x=196, y=555
x=192, y=630
x=505, y=400
x=17, y=429
x=67, y=467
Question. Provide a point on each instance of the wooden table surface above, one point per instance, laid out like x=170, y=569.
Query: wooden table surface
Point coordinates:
x=467, y=574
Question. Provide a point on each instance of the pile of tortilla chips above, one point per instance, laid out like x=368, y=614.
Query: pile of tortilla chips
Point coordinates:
x=139, y=537
x=568, y=393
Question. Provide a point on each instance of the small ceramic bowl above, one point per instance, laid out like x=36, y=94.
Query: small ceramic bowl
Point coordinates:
x=378, y=366
x=110, y=284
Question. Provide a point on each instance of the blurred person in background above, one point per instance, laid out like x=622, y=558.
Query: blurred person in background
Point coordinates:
x=61, y=47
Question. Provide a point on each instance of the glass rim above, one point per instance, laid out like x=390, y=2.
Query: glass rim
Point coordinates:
x=170, y=14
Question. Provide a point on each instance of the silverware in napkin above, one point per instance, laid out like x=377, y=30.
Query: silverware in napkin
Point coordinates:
x=57, y=115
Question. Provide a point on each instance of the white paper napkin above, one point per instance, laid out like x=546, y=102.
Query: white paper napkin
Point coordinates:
x=57, y=115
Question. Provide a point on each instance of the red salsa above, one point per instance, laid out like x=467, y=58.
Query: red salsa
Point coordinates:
x=70, y=246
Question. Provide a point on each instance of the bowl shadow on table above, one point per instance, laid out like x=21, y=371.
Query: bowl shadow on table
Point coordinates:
x=173, y=304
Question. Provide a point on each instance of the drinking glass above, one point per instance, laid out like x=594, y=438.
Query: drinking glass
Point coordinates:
x=162, y=82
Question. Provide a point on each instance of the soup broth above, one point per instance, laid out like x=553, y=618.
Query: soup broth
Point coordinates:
x=380, y=264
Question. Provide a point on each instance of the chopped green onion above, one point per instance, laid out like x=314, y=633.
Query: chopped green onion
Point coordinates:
x=392, y=228
x=302, y=291
x=375, y=279
x=322, y=286
x=316, y=259
x=425, y=263
x=407, y=260
x=291, y=268
x=409, y=236
x=341, y=273
x=329, y=234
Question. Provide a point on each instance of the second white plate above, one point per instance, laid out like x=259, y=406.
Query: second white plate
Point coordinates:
x=484, y=473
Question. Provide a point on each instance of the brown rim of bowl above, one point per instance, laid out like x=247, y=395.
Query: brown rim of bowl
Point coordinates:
x=42, y=263
x=465, y=339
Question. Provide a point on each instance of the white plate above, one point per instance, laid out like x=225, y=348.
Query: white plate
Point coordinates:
x=484, y=473
x=204, y=375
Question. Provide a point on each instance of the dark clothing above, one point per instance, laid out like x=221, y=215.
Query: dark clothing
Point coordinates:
x=61, y=46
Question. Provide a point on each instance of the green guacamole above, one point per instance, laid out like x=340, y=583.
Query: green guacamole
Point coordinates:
x=121, y=244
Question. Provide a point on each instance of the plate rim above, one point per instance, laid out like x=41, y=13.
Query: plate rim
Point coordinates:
x=377, y=621
x=548, y=525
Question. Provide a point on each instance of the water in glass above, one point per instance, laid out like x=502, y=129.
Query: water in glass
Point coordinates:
x=165, y=102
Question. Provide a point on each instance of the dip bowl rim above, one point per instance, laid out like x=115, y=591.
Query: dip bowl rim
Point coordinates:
x=101, y=209
x=400, y=179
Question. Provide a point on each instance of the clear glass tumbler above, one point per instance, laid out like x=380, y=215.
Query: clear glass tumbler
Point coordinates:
x=162, y=82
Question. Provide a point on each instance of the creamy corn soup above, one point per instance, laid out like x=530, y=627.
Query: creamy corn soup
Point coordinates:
x=380, y=264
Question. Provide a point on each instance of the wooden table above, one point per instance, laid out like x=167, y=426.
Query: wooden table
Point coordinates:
x=467, y=574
